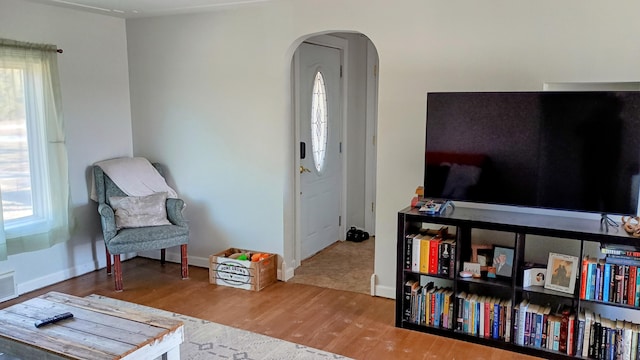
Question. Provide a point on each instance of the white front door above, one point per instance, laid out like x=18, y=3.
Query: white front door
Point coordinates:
x=320, y=133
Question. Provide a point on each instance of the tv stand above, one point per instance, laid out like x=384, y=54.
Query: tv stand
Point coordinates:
x=586, y=235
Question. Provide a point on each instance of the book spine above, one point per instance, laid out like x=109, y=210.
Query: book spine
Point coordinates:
x=622, y=261
x=424, y=256
x=606, y=281
x=598, y=289
x=602, y=348
x=495, y=330
x=408, y=252
x=527, y=328
x=580, y=337
x=450, y=312
x=538, y=331
x=434, y=245
x=415, y=255
x=434, y=311
x=545, y=330
x=570, y=336
x=625, y=291
x=407, y=299
x=444, y=258
x=460, y=313
x=488, y=310
x=636, y=301
x=619, y=285
x=627, y=343
x=586, y=341
x=522, y=310
x=452, y=261
x=583, y=277
x=620, y=252
x=612, y=283
x=556, y=335
x=507, y=322
x=467, y=312
x=564, y=327
x=631, y=287
x=446, y=299
x=591, y=290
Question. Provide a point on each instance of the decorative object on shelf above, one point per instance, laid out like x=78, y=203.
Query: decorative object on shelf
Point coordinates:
x=631, y=224
x=473, y=268
x=436, y=206
x=534, y=275
x=561, y=272
x=466, y=274
x=491, y=272
x=503, y=260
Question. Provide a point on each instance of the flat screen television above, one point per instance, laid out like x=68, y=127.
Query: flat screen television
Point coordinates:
x=575, y=151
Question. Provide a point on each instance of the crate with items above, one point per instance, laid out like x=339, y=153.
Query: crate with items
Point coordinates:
x=245, y=269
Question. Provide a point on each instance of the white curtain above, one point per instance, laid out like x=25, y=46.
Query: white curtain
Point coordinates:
x=3, y=239
x=48, y=169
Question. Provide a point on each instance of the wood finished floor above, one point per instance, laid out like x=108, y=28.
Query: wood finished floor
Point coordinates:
x=347, y=323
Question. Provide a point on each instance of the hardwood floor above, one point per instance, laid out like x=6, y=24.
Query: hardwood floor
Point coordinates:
x=347, y=323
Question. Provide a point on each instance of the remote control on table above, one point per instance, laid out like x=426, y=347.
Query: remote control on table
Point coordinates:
x=53, y=319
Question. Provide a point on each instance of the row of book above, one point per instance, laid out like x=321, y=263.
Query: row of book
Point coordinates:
x=428, y=304
x=602, y=338
x=430, y=254
x=542, y=327
x=610, y=280
x=484, y=316
x=589, y=335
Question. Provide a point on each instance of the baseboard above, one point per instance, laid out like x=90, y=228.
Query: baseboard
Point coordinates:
x=385, y=291
x=50, y=279
x=285, y=273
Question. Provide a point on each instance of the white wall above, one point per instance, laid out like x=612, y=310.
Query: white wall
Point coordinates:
x=95, y=100
x=219, y=83
x=210, y=97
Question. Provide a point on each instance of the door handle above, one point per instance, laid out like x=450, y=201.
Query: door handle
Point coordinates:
x=304, y=169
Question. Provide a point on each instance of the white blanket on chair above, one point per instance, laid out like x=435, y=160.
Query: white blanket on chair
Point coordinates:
x=134, y=176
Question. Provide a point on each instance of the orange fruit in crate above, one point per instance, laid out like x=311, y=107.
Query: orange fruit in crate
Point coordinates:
x=256, y=257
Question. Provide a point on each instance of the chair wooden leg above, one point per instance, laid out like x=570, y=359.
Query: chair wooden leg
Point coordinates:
x=108, y=260
x=162, y=256
x=117, y=272
x=184, y=262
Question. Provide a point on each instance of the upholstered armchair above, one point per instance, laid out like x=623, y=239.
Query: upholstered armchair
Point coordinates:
x=121, y=237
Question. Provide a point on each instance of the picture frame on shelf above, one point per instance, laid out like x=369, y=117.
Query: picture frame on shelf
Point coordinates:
x=472, y=267
x=561, y=273
x=503, y=260
x=483, y=255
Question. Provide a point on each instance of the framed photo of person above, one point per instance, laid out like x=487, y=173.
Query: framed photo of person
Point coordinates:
x=503, y=261
x=561, y=273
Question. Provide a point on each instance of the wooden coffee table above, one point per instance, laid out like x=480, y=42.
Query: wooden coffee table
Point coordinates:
x=96, y=331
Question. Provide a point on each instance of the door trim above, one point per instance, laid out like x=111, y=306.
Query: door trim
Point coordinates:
x=371, y=139
x=342, y=45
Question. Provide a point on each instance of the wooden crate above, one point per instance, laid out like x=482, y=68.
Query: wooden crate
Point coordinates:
x=243, y=274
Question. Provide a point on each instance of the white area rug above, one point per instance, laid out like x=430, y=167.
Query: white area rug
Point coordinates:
x=209, y=340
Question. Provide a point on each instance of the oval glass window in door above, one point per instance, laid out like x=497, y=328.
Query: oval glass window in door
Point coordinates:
x=319, y=121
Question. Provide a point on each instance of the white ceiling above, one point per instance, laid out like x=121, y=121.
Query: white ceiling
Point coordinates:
x=145, y=8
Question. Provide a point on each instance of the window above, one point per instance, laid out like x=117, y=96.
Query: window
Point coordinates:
x=319, y=121
x=33, y=163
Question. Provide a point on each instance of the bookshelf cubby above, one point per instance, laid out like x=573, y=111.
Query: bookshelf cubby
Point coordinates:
x=506, y=294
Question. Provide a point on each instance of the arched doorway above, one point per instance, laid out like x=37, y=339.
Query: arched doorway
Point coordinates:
x=327, y=208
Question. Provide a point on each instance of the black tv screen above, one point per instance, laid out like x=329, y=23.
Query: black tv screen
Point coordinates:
x=559, y=150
